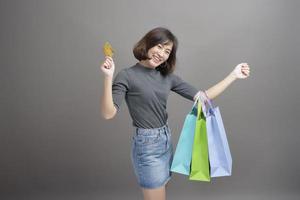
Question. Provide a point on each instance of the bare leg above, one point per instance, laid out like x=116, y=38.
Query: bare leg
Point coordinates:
x=154, y=194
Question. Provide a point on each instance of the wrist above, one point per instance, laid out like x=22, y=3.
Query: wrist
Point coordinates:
x=108, y=80
x=232, y=76
x=108, y=77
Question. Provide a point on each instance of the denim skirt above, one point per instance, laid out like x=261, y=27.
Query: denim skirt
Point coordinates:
x=151, y=155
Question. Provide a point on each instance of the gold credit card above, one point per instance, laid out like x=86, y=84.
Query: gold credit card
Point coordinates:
x=108, y=50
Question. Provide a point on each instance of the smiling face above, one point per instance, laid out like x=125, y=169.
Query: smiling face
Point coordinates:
x=158, y=55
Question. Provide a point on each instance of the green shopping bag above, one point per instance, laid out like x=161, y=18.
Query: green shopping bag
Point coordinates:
x=200, y=162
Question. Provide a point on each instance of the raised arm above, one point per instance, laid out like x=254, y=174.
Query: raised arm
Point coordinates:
x=108, y=109
x=241, y=71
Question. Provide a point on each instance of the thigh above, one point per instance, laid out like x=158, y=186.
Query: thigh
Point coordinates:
x=151, y=158
x=154, y=194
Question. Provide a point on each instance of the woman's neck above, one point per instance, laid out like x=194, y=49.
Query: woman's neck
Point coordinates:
x=144, y=63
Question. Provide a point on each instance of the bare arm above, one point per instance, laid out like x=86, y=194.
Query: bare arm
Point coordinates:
x=241, y=71
x=108, y=109
x=217, y=89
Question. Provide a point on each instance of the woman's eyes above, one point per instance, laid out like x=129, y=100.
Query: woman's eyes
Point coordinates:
x=161, y=47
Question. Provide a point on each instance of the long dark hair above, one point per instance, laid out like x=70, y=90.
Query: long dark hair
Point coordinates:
x=152, y=38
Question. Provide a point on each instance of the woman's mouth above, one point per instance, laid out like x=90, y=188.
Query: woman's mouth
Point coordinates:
x=156, y=59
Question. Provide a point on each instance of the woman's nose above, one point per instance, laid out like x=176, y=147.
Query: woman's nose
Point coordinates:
x=160, y=53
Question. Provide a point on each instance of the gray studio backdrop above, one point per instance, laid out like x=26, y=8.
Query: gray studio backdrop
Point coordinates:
x=54, y=141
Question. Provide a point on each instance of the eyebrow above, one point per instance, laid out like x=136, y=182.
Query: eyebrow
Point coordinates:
x=168, y=48
x=166, y=44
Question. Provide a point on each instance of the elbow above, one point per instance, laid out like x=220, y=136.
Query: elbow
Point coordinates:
x=109, y=116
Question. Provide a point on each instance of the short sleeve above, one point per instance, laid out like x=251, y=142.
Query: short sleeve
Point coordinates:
x=183, y=88
x=120, y=87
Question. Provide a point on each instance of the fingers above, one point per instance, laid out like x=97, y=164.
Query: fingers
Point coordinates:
x=244, y=65
x=108, y=62
x=245, y=73
x=245, y=69
x=242, y=70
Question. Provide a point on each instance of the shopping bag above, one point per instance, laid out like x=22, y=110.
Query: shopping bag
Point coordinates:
x=200, y=162
x=218, y=149
x=183, y=154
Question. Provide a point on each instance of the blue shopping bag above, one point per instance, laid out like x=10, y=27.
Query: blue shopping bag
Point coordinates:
x=218, y=149
x=183, y=154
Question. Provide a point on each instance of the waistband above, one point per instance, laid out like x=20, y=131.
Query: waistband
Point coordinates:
x=149, y=131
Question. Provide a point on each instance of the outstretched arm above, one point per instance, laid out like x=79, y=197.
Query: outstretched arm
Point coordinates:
x=241, y=71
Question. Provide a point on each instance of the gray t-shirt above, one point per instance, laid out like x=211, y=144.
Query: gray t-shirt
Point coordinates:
x=146, y=91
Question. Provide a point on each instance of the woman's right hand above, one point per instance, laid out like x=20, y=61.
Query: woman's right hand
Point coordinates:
x=108, y=66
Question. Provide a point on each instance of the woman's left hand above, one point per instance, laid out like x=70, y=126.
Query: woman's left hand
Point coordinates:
x=241, y=71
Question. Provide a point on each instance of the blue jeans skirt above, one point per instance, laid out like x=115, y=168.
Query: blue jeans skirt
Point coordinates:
x=151, y=155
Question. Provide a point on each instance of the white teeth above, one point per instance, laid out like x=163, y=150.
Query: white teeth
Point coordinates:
x=156, y=59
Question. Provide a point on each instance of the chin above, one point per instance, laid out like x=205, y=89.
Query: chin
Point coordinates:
x=154, y=64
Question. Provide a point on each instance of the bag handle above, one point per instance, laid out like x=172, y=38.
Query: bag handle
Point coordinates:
x=196, y=100
x=199, y=108
x=206, y=102
x=200, y=95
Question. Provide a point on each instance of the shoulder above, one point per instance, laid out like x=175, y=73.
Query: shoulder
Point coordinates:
x=127, y=70
x=125, y=74
x=121, y=76
x=174, y=77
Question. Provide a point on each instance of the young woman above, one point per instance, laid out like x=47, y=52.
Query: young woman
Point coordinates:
x=145, y=87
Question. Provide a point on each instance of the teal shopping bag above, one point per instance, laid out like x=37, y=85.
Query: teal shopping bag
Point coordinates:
x=183, y=154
